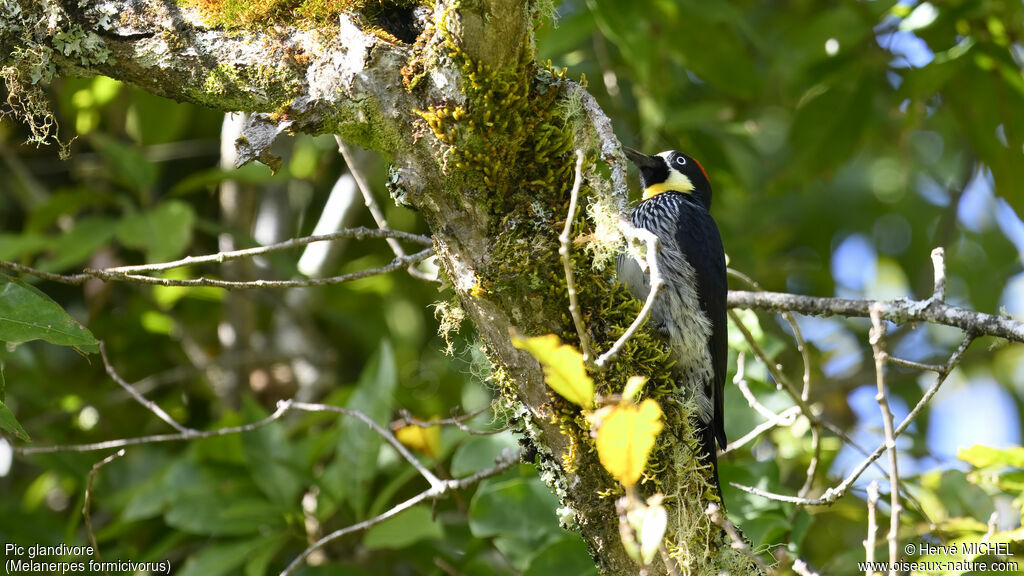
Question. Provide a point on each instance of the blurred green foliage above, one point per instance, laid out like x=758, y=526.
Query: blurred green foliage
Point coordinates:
x=844, y=139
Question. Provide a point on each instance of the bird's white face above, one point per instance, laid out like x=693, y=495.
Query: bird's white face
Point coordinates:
x=676, y=182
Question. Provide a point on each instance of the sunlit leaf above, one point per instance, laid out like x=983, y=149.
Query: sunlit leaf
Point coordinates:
x=981, y=456
x=633, y=387
x=626, y=437
x=563, y=367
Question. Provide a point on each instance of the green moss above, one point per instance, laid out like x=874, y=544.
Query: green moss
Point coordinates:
x=228, y=86
x=378, y=16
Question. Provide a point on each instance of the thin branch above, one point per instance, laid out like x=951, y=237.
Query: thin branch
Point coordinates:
x=649, y=262
x=282, y=407
x=869, y=542
x=801, y=568
x=429, y=476
x=151, y=406
x=87, y=504
x=740, y=380
x=359, y=233
x=912, y=364
x=368, y=199
x=779, y=497
x=773, y=367
x=798, y=337
x=407, y=419
x=877, y=337
x=564, y=241
x=898, y=311
x=784, y=418
x=812, y=468
x=108, y=276
x=714, y=512
x=374, y=208
x=504, y=463
x=836, y=492
x=939, y=266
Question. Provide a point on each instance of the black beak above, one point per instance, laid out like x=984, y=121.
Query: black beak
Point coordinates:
x=643, y=161
x=653, y=169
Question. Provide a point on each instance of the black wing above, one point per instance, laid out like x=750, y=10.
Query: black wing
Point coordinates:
x=702, y=243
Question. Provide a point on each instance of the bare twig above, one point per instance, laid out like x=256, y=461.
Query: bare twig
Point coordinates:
x=504, y=463
x=87, y=503
x=784, y=418
x=374, y=208
x=282, y=407
x=151, y=406
x=898, y=311
x=939, y=265
x=801, y=568
x=109, y=276
x=359, y=233
x=812, y=468
x=429, y=476
x=740, y=380
x=916, y=365
x=877, y=338
x=650, y=263
x=367, y=192
x=407, y=419
x=869, y=542
x=714, y=512
x=564, y=242
x=836, y=492
x=798, y=337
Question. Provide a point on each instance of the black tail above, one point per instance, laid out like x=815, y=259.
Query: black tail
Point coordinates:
x=709, y=455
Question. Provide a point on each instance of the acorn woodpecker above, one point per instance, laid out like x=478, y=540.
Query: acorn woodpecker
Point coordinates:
x=690, y=310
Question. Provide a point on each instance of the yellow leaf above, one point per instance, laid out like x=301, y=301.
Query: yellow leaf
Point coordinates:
x=425, y=440
x=633, y=387
x=563, y=367
x=626, y=437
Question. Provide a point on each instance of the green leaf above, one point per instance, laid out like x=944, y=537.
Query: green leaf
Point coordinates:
x=15, y=246
x=518, y=513
x=205, y=179
x=162, y=233
x=409, y=527
x=226, y=557
x=224, y=515
x=10, y=425
x=563, y=367
x=565, y=557
x=355, y=463
x=128, y=166
x=28, y=314
x=479, y=452
x=829, y=120
x=79, y=244
x=270, y=458
x=987, y=457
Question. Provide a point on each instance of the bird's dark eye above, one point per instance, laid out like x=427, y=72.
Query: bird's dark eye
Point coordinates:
x=680, y=160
